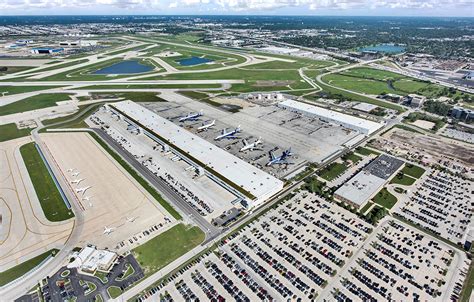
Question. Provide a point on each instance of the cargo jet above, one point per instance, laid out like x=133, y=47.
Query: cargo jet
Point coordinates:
x=228, y=135
x=191, y=116
x=204, y=127
x=251, y=146
x=282, y=159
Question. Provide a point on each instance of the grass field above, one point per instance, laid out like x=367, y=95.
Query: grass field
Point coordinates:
x=166, y=247
x=332, y=171
x=114, y=291
x=156, y=86
x=13, y=69
x=365, y=151
x=366, y=207
x=413, y=171
x=402, y=179
x=11, y=131
x=33, y=103
x=385, y=199
x=9, y=90
x=22, y=268
x=49, y=197
x=352, y=157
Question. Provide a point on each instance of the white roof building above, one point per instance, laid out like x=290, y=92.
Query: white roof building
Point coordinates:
x=224, y=165
x=90, y=260
x=348, y=121
x=359, y=189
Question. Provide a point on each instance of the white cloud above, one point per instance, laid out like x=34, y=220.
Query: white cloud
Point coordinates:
x=262, y=6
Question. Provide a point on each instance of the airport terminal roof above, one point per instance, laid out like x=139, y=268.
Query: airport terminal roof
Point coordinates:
x=257, y=182
x=360, y=188
x=335, y=116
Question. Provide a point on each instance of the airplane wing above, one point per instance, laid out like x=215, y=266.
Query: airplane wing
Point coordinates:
x=272, y=156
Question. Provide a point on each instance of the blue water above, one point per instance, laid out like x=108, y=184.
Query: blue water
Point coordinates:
x=386, y=48
x=125, y=67
x=193, y=61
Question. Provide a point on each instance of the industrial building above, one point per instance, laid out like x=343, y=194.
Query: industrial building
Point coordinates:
x=348, y=121
x=46, y=50
x=463, y=114
x=365, y=184
x=250, y=183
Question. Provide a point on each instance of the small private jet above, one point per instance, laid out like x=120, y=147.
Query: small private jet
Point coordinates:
x=251, y=146
x=77, y=181
x=107, y=230
x=76, y=174
x=131, y=219
x=82, y=190
x=282, y=159
x=70, y=170
x=192, y=116
x=204, y=127
x=228, y=135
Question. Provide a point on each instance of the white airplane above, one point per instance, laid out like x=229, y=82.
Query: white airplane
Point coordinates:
x=70, y=170
x=204, y=127
x=131, y=219
x=282, y=159
x=75, y=174
x=251, y=146
x=77, y=181
x=228, y=135
x=86, y=198
x=191, y=116
x=82, y=190
x=107, y=230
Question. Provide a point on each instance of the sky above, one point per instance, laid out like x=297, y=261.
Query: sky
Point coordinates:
x=240, y=7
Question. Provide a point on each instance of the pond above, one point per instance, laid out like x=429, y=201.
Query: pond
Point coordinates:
x=193, y=61
x=125, y=67
x=386, y=48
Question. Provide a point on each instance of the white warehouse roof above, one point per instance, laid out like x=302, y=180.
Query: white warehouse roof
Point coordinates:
x=355, y=123
x=360, y=188
x=257, y=182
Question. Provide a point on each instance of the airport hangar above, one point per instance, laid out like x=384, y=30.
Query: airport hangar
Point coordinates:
x=348, y=121
x=251, y=184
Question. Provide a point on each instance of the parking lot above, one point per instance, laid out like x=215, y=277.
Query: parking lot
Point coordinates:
x=203, y=194
x=401, y=264
x=442, y=203
x=309, y=139
x=310, y=249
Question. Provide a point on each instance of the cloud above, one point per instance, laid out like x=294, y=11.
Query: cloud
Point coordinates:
x=242, y=6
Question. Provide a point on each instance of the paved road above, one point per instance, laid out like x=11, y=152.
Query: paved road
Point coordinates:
x=168, y=193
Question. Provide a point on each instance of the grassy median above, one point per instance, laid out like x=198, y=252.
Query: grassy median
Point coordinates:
x=11, y=131
x=48, y=194
x=34, y=102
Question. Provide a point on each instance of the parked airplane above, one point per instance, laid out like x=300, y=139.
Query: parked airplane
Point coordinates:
x=204, y=127
x=87, y=198
x=75, y=174
x=70, y=170
x=282, y=159
x=192, y=116
x=131, y=219
x=251, y=146
x=228, y=135
x=77, y=181
x=82, y=190
x=107, y=230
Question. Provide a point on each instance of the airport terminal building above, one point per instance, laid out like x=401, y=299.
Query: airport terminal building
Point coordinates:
x=243, y=179
x=363, y=126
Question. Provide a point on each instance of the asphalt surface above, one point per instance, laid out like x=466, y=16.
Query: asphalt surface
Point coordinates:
x=168, y=193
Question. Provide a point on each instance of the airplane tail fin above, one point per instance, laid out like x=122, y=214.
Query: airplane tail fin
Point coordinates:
x=272, y=156
x=245, y=142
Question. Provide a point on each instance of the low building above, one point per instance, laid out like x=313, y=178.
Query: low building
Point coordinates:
x=90, y=260
x=365, y=107
x=226, y=217
x=415, y=100
x=46, y=50
x=462, y=114
x=363, y=126
x=364, y=185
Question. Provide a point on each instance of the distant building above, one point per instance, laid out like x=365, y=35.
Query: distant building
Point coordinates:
x=226, y=217
x=462, y=114
x=414, y=100
x=391, y=97
x=365, y=107
x=348, y=121
x=364, y=185
x=46, y=50
x=90, y=260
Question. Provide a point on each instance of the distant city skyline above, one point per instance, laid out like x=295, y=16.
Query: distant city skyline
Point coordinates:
x=442, y=8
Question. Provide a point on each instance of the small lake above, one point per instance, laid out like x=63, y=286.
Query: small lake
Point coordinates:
x=125, y=67
x=386, y=48
x=193, y=61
